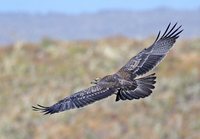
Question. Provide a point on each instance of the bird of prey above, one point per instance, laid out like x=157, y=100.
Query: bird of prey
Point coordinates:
x=127, y=83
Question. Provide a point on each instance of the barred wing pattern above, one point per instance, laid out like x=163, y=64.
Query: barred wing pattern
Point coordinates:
x=77, y=100
x=147, y=59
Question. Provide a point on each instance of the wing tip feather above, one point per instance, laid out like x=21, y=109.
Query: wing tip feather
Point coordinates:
x=43, y=109
x=170, y=33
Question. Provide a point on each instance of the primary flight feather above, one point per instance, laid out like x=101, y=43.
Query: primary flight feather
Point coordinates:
x=125, y=83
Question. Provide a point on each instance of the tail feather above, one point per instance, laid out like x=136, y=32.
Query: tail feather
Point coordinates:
x=143, y=89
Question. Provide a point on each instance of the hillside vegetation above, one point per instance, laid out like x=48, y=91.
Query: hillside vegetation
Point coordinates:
x=48, y=71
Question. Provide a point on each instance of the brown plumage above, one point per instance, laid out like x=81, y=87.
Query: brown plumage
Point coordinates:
x=125, y=84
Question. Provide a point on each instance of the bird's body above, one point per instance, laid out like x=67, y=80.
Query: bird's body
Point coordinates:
x=126, y=84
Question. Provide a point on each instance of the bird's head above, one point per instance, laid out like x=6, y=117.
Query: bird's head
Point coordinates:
x=95, y=81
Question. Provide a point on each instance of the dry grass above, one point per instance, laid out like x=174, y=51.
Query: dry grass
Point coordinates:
x=46, y=72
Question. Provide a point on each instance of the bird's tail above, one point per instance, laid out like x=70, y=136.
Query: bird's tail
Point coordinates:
x=143, y=89
x=147, y=80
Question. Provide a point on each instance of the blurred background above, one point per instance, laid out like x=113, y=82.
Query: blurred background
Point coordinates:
x=51, y=49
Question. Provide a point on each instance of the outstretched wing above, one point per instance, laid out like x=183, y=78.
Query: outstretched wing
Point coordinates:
x=143, y=89
x=148, y=58
x=77, y=100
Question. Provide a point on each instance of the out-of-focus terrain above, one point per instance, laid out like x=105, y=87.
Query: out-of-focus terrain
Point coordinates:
x=48, y=71
x=102, y=24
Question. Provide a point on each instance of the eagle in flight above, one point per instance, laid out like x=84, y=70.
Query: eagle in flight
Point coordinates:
x=127, y=83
